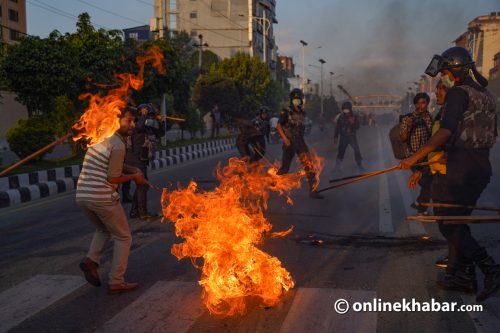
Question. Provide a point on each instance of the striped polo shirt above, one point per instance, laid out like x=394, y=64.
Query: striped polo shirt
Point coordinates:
x=93, y=182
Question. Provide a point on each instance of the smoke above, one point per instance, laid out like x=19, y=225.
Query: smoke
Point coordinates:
x=377, y=45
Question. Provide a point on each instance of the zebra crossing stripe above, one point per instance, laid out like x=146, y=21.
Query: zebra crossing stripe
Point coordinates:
x=30, y=297
x=486, y=321
x=165, y=307
x=313, y=311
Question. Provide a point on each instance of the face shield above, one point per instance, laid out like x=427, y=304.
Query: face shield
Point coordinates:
x=437, y=64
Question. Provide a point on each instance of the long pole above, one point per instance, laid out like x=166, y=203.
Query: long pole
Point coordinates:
x=322, y=106
x=303, y=68
x=264, y=33
x=200, y=52
x=35, y=154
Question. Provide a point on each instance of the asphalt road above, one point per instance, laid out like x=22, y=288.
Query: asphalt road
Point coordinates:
x=354, y=245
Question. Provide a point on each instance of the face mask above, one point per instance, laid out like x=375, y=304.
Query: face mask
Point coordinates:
x=296, y=102
x=346, y=111
x=447, y=82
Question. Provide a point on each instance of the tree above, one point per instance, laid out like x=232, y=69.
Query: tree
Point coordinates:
x=214, y=89
x=30, y=135
x=208, y=59
x=252, y=79
x=38, y=70
x=97, y=52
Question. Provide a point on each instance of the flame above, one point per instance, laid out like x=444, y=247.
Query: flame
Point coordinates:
x=313, y=163
x=101, y=119
x=224, y=228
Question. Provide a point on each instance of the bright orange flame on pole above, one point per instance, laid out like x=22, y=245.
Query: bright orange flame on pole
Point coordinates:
x=224, y=227
x=101, y=119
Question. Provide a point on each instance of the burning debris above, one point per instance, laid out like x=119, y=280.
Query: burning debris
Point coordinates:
x=101, y=119
x=224, y=227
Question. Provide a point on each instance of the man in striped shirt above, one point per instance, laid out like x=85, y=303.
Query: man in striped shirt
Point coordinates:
x=103, y=169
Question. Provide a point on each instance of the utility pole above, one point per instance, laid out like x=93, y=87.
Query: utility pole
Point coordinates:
x=264, y=34
x=200, y=51
x=331, y=83
x=303, y=85
x=322, y=62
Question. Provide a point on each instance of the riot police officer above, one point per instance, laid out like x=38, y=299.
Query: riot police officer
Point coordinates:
x=468, y=131
x=140, y=152
x=347, y=125
x=291, y=127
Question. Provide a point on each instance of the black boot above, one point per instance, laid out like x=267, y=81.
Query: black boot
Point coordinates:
x=463, y=280
x=315, y=195
x=491, y=271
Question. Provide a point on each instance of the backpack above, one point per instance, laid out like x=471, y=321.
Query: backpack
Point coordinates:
x=399, y=149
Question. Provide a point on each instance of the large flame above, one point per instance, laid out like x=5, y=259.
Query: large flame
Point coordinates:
x=101, y=119
x=224, y=227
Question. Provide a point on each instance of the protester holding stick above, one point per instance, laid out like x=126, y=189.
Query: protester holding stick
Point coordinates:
x=103, y=169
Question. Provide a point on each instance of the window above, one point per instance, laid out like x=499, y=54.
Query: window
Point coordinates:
x=13, y=15
x=173, y=5
x=133, y=35
x=172, y=19
x=15, y=1
x=14, y=34
x=193, y=14
x=0, y=11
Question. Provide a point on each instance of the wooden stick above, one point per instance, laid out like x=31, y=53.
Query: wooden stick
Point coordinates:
x=365, y=176
x=443, y=205
x=35, y=154
x=455, y=219
x=373, y=174
x=369, y=173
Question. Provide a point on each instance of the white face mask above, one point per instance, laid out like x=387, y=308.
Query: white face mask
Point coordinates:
x=447, y=82
x=296, y=102
x=346, y=111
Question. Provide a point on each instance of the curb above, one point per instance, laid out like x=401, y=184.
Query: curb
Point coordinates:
x=18, y=189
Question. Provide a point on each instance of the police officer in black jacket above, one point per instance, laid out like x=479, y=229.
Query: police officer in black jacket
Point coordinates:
x=347, y=125
x=291, y=127
x=468, y=131
x=140, y=152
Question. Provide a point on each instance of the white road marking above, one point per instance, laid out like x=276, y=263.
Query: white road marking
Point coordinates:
x=313, y=311
x=384, y=206
x=165, y=307
x=30, y=297
x=416, y=228
x=486, y=321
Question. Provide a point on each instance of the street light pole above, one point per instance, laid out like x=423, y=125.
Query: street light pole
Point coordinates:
x=200, y=51
x=322, y=62
x=304, y=44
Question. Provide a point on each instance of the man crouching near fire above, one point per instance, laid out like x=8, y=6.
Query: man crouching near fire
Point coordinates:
x=103, y=169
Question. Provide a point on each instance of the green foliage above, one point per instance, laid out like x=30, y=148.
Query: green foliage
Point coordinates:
x=209, y=58
x=38, y=70
x=252, y=79
x=30, y=135
x=214, y=89
x=64, y=115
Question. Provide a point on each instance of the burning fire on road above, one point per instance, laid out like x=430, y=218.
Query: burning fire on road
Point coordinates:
x=224, y=228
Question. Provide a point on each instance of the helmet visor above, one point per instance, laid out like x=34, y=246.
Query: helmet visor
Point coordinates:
x=435, y=66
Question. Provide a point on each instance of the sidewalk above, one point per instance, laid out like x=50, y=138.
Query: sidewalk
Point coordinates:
x=18, y=189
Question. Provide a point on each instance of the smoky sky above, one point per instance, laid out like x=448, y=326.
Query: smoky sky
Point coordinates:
x=377, y=45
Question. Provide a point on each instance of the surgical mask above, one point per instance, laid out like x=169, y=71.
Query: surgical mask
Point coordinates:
x=296, y=102
x=447, y=82
x=346, y=111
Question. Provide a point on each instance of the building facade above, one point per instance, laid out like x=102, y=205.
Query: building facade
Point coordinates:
x=287, y=65
x=482, y=39
x=141, y=34
x=12, y=20
x=495, y=70
x=227, y=26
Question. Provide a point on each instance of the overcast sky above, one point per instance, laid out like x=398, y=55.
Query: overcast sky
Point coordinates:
x=376, y=45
